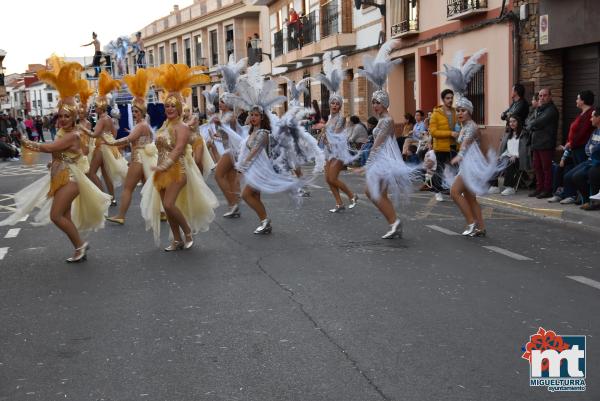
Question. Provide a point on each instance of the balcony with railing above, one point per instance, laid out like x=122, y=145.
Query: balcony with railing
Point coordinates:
x=405, y=28
x=406, y=18
x=459, y=9
x=330, y=17
x=278, y=43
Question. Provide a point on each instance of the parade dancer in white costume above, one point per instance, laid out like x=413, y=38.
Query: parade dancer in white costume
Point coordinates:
x=337, y=150
x=65, y=195
x=227, y=130
x=291, y=130
x=144, y=155
x=475, y=170
x=259, y=175
x=108, y=158
x=208, y=130
x=386, y=173
x=177, y=182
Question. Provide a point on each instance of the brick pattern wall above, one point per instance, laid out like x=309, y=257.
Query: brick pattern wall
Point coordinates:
x=542, y=69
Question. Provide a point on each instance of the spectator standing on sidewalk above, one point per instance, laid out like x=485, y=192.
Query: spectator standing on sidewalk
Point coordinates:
x=543, y=128
x=442, y=127
x=39, y=127
x=519, y=107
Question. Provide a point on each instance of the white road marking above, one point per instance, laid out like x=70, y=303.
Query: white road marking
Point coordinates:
x=442, y=230
x=506, y=252
x=12, y=233
x=25, y=218
x=586, y=281
x=3, y=252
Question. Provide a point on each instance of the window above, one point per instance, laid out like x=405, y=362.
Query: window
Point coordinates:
x=307, y=94
x=324, y=101
x=49, y=97
x=188, y=52
x=476, y=96
x=214, y=48
x=199, y=59
x=174, y=53
x=150, y=58
x=161, y=55
x=229, y=40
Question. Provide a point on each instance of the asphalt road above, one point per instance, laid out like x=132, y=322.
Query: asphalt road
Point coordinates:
x=322, y=309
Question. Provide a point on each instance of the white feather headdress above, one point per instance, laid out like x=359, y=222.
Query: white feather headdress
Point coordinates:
x=376, y=69
x=231, y=73
x=333, y=75
x=251, y=96
x=460, y=73
x=210, y=96
x=296, y=89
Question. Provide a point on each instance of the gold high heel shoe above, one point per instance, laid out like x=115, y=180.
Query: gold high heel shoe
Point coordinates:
x=82, y=250
x=116, y=220
x=175, y=246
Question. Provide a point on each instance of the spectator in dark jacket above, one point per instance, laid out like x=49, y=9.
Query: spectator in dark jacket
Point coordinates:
x=543, y=128
x=581, y=128
x=519, y=107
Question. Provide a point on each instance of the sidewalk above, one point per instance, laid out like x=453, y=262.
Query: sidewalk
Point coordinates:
x=541, y=208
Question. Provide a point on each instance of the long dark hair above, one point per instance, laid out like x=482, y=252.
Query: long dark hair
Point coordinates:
x=265, y=122
x=410, y=118
x=315, y=106
x=519, y=129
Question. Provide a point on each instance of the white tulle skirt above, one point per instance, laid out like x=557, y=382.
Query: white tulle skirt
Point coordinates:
x=387, y=171
x=195, y=200
x=88, y=208
x=476, y=170
x=149, y=158
x=262, y=177
x=338, y=148
x=236, y=139
x=115, y=166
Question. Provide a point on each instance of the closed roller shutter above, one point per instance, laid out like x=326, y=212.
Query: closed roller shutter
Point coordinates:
x=582, y=72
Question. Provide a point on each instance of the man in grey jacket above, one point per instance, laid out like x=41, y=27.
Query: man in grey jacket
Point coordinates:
x=544, y=128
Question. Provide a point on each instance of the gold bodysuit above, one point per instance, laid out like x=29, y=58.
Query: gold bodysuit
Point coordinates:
x=165, y=143
x=139, y=145
x=60, y=174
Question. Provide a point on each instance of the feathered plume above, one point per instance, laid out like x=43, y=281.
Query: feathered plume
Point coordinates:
x=254, y=77
x=179, y=78
x=106, y=84
x=377, y=69
x=231, y=73
x=458, y=75
x=333, y=72
x=212, y=94
x=250, y=97
x=138, y=84
x=65, y=79
x=296, y=89
x=85, y=92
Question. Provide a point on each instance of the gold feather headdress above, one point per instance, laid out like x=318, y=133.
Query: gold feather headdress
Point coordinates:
x=85, y=92
x=105, y=85
x=65, y=78
x=176, y=80
x=138, y=86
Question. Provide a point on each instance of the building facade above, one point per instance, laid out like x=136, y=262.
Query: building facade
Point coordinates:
x=324, y=25
x=430, y=33
x=207, y=33
x=559, y=49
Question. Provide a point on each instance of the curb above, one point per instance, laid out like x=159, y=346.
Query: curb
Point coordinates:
x=590, y=221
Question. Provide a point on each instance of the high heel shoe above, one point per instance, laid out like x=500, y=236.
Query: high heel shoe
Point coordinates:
x=189, y=241
x=395, y=230
x=479, y=232
x=264, y=228
x=175, y=246
x=113, y=202
x=116, y=220
x=353, y=202
x=470, y=229
x=337, y=209
x=233, y=212
x=82, y=250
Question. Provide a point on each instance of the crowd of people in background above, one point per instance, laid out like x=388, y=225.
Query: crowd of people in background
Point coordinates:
x=528, y=145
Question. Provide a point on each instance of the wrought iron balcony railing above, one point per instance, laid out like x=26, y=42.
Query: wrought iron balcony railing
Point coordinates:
x=329, y=19
x=405, y=27
x=457, y=7
x=278, y=43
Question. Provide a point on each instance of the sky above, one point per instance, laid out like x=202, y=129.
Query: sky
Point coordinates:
x=33, y=30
